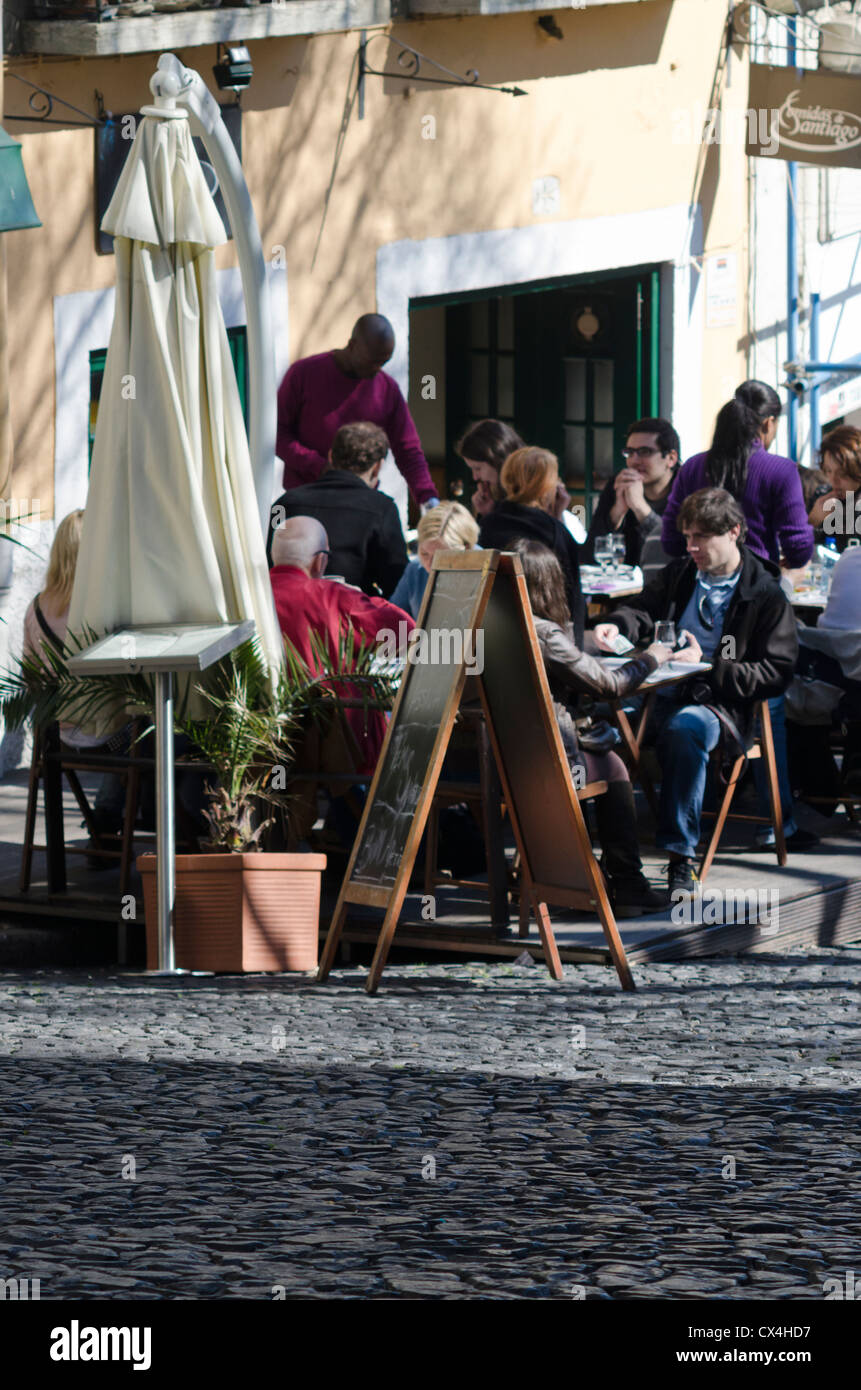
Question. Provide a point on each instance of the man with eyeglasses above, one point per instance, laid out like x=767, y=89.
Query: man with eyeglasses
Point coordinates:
x=632, y=503
x=729, y=608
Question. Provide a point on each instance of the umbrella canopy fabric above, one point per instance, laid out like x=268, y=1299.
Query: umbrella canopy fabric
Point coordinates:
x=171, y=531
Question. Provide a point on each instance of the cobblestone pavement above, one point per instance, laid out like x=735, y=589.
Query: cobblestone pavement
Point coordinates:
x=472, y=1132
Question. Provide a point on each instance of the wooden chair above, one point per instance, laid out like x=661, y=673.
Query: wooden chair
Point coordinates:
x=763, y=747
x=51, y=763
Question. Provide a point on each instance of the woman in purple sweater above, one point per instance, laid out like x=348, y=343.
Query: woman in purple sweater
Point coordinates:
x=767, y=486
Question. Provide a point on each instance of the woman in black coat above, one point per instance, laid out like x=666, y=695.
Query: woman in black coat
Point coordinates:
x=529, y=479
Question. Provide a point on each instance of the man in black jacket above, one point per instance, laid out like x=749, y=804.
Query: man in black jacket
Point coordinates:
x=730, y=608
x=366, y=542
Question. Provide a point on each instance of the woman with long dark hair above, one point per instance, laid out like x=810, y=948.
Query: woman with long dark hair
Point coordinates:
x=766, y=485
x=484, y=449
x=570, y=674
x=529, y=480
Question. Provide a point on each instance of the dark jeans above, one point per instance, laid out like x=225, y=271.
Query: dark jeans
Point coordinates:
x=685, y=736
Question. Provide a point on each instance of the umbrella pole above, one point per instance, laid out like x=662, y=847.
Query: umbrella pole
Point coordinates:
x=164, y=823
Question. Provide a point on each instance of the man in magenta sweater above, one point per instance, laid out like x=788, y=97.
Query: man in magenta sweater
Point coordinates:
x=330, y=389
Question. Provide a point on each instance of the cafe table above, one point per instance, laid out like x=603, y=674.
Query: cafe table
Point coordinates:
x=804, y=595
x=614, y=583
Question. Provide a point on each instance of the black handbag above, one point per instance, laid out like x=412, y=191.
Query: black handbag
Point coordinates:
x=597, y=736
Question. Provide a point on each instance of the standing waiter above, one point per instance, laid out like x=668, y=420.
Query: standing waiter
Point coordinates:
x=330, y=389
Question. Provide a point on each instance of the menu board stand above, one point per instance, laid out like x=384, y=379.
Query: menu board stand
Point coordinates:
x=476, y=620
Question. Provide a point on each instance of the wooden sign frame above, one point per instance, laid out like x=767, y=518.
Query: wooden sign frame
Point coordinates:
x=565, y=837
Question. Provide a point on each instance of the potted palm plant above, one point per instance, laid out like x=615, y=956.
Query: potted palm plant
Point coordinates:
x=238, y=907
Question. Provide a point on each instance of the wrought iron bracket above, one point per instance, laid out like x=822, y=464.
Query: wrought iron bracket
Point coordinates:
x=42, y=103
x=411, y=60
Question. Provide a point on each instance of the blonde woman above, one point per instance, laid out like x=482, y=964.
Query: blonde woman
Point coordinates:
x=530, y=479
x=446, y=527
x=45, y=624
x=46, y=619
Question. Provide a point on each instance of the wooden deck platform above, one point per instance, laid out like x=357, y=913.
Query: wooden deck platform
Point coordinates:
x=818, y=901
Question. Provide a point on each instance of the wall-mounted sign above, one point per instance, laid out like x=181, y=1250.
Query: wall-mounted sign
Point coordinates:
x=721, y=290
x=834, y=404
x=812, y=117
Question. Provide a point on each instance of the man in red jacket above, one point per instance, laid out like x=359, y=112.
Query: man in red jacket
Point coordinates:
x=307, y=603
x=330, y=389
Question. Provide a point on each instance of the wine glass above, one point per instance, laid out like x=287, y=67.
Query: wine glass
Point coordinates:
x=617, y=542
x=665, y=634
x=604, y=552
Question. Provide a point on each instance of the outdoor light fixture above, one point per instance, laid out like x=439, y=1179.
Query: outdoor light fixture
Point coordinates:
x=16, y=204
x=233, y=70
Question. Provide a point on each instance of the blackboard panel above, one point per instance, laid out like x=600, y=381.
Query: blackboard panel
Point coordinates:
x=418, y=720
x=538, y=778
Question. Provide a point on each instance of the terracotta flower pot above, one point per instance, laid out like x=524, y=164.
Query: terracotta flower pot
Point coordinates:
x=238, y=912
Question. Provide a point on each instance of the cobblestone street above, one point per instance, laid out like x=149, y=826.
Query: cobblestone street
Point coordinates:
x=472, y=1132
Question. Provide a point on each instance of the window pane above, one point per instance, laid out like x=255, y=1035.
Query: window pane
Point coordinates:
x=575, y=388
x=603, y=458
x=603, y=392
x=505, y=387
x=505, y=324
x=478, y=324
x=478, y=384
x=575, y=454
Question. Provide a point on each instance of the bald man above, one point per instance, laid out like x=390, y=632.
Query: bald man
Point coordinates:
x=330, y=389
x=306, y=602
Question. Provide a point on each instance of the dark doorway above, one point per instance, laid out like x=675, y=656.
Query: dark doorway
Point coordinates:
x=570, y=364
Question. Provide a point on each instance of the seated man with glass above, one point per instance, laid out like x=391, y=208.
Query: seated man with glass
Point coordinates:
x=730, y=611
x=632, y=503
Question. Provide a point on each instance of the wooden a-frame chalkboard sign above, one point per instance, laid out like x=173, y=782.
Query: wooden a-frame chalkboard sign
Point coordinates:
x=470, y=591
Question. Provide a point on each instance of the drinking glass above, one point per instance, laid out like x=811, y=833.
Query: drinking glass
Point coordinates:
x=617, y=542
x=665, y=634
x=604, y=552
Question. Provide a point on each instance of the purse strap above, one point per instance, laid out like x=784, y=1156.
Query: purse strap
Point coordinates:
x=55, y=641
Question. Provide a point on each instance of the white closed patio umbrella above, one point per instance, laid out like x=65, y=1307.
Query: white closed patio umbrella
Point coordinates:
x=172, y=528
